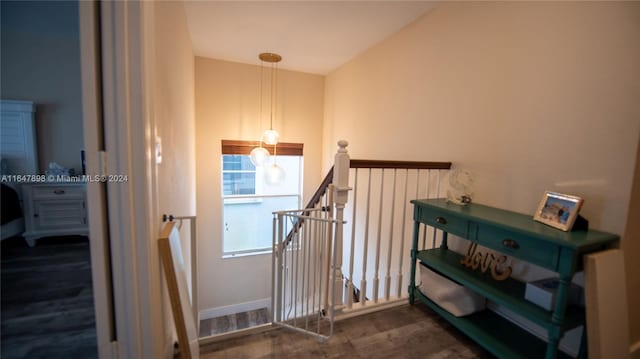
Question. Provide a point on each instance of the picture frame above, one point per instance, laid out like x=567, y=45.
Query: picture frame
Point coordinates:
x=558, y=210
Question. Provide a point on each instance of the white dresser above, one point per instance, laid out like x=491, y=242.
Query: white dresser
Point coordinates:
x=54, y=209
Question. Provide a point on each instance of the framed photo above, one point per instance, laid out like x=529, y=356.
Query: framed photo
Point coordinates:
x=558, y=210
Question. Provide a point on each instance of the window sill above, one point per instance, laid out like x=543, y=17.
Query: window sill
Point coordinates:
x=246, y=254
x=233, y=201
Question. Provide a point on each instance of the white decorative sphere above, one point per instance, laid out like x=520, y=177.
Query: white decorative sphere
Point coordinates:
x=274, y=175
x=259, y=156
x=270, y=137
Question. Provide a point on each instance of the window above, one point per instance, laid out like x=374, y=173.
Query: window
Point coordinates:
x=248, y=202
x=238, y=175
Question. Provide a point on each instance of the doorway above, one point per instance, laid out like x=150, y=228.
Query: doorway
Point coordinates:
x=56, y=299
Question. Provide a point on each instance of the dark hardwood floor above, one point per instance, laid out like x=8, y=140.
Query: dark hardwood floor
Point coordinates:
x=47, y=312
x=47, y=299
x=401, y=332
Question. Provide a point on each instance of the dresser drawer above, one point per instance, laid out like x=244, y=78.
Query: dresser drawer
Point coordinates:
x=58, y=192
x=520, y=246
x=444, y=221
x=60, y=214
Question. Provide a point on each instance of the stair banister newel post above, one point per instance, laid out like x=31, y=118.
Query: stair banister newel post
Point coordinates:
x=340, y=198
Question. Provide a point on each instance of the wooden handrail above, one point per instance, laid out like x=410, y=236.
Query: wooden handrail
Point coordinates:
x=400, y=164
x=322, y=189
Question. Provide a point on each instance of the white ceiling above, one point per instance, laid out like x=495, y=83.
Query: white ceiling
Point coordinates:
x=312, y=36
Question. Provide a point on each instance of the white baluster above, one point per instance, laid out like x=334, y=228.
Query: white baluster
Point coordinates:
x=353, y=242
x=387, y=279
x=378, y=242
x=363, y=282
x=404, y=236
x=438, y=184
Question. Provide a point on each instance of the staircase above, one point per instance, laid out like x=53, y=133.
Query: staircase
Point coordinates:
x=348, y=251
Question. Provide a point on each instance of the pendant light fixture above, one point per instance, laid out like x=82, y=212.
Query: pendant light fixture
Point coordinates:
x=260, y=155
x=270, y=136
x=274, y=174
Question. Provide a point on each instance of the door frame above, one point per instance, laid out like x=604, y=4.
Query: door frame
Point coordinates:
x=96, y=192
x=117, y=55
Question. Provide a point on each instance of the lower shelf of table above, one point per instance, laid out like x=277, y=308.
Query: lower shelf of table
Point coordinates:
x=497, y=335
x=509, y=293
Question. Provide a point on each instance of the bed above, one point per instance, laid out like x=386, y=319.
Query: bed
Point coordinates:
x=11, y=215
x=18, y=156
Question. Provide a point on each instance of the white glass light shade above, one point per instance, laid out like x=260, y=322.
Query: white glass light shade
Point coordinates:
x=270, y=137
x=259, y=156
x=274, y=175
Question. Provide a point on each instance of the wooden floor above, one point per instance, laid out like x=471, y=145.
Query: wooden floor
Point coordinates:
x=401, y=332
x=47, y=299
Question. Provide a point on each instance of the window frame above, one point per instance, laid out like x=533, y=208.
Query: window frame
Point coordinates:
x=256, y=172
x=239, y=147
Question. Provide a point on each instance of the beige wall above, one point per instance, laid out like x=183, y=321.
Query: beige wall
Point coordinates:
x=174, y=117
x=40, y=60
x=174, y=110
x=529, y=96
x=227, y=107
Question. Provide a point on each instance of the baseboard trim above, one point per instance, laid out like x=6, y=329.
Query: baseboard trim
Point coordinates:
x=357, y=309
x=634, y=350
x=235, y=308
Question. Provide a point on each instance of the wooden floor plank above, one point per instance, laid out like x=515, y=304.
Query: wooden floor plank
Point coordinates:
x=402, y=332
x=47, y=299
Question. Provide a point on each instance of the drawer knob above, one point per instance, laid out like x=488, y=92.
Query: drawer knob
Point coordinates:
x=441, y=220
x=510, y=243
x=36, y=215
x=58, y=191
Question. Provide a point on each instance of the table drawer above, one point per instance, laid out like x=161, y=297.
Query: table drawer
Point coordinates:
x=444, y=221
x=520, y=246
x=58, y=192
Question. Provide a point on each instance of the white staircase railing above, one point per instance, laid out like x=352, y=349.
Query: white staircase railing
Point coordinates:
x=378, y=237
x=368, y=257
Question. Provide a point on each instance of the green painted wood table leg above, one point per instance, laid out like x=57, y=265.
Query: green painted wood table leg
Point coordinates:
x=414, y=254
x=558, y=316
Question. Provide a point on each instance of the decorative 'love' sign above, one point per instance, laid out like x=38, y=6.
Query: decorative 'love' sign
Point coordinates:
x=476, y=259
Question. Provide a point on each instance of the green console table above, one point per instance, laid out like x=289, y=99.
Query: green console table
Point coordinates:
x=517, y=236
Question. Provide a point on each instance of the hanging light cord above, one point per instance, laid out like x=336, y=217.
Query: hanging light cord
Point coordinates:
x=261, y=71
x=275, y=153
x=274, y=96
x=274, y=79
